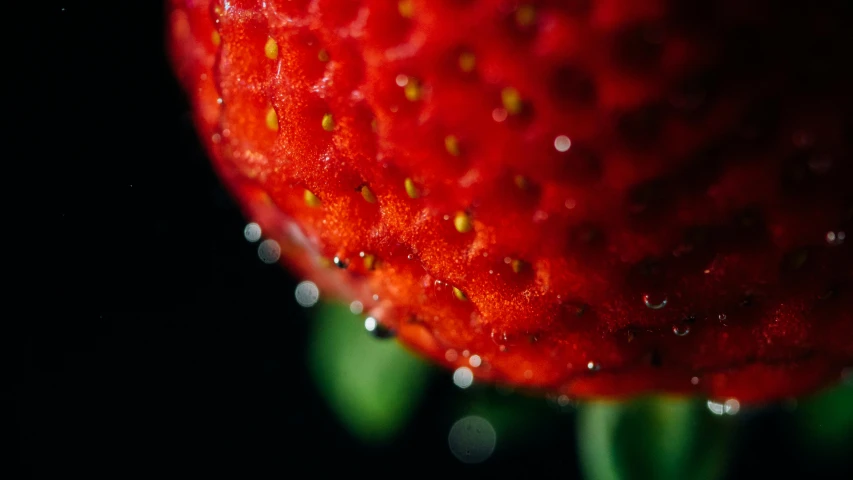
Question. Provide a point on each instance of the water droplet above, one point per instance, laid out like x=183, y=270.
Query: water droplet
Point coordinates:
x=410, y=256
x=463, y=377
x=307, y=294
x=593, y=366
x=269, y=251
x=654, y=304
x=731, y=406
x=694, y=381
x=375, y=297
x=681, y=329
x=252, y=232
x=715, y=407
x=835, y=238
x=356, y=307
x=340, y=262
x=528, y=374
x=472, y=439
x=722, y=317
x=451, y=355
x=562, y=143
x=401, y=80
x=499, y=114
x=475, y=361
x=372, y=325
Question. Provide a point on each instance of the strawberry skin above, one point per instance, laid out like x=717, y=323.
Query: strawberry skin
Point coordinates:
x=594, y=197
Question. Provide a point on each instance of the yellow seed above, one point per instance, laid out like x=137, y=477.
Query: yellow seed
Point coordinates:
x=323, y=55
x=462, y=222
x=271, y=49
x=412, y=90
x=324, y=262
x=328, y=122
x=406, y=8
x=374, y=126
x=368, y=194
x=215, y=38
x=517, y=265
x=369, y=262
x=451, y=143
x=310, y=199
x=521, y=182
x=272, y=119
x=459, y=294
x=511, y=100
x=467, y=62
x=525, y=15
x=411, y=189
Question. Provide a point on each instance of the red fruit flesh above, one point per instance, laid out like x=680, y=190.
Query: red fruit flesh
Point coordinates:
x=596, y=197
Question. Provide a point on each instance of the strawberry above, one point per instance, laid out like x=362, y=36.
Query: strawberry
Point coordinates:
x=594, y=197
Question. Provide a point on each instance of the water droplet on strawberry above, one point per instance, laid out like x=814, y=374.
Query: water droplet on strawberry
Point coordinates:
x=655, y=303
x=593, y=366
x=340, y=262
x=372, y=325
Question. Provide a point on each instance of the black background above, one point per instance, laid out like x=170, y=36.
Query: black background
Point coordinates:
x=148, y=337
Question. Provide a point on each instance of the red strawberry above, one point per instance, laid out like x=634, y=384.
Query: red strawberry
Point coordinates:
x=596, y=197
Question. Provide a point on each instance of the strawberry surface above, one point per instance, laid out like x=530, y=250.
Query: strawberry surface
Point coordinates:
x=593, y=197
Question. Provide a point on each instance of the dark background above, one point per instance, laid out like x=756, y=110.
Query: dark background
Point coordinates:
x=148, y=339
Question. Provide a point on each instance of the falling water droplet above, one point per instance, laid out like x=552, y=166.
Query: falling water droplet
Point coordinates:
x=593, y=367
x=307, y=294
x=472, y=439
x=654, y=304
x=463, y=377
x=252, y=232
x=681, y=329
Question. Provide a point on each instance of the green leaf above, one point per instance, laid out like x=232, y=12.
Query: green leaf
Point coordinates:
x=655, y=437
x=373, y=385
x=826, y=421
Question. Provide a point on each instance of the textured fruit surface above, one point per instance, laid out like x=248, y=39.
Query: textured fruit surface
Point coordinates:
x=596, y=197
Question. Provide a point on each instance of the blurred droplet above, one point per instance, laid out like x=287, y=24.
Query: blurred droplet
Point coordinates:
x=463, y=377
x=835, y=238
x=307, y=294
x=252, y=232
x=372, y=325
x=562, y=143
x=475, y=361
x=654, y=303
x=681, y=329
x=593, y=367
x=472, y=439
x=729, y=407
x=356, y=307
x=716, y=408
x=269, y=251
